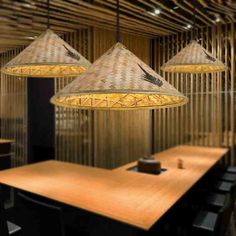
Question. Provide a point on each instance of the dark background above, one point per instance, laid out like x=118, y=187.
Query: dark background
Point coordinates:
x=41, y=126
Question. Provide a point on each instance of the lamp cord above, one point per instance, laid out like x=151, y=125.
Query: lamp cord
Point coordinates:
x=117, y=21
x=48, y=18
x=194, y=24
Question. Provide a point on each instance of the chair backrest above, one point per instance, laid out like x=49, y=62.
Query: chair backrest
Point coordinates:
x=3, y=222
x=225, y=215
x=233, y=192
x=48, y=217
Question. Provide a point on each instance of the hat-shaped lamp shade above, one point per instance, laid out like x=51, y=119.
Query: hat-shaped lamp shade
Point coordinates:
x=47, y=56
x=119, y=80
x=193, y=59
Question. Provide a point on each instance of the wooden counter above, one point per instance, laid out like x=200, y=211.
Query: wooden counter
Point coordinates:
x=5, y=141
x=133, y=198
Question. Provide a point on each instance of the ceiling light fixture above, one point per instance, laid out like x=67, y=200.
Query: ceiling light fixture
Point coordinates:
x=47, y=56
x=30, y=37
x=193, y=58
x=174, y=8
x=119, y=80
x=157, y=11
x=151, y=13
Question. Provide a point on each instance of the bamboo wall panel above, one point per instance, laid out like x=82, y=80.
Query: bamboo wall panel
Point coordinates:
x=106, y=139
x=13, y=102
x=73, y=127
x=121, y=136
x=209, y=117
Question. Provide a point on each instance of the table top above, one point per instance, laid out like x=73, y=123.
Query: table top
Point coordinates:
x=134, y=198
x=3, y=141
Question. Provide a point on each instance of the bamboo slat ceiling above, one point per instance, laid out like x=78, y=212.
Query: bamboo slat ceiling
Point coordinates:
x=22, y=20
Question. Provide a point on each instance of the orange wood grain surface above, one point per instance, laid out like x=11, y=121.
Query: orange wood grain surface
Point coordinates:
x=133, y=198
x=6, y=141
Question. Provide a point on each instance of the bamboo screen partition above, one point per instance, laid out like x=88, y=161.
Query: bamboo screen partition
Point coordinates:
x=73, y=128
x=14, y=111
x=102, y=138
x=111, y=138
x=105, y=139
x=121, y=136
x=209, y=117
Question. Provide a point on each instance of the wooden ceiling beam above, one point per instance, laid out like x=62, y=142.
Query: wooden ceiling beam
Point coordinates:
x=169, y=14
x=199, y=11
x=97, y=13
x=143, y=15
x=186, y=20
x=22, y=20
x=190, y=11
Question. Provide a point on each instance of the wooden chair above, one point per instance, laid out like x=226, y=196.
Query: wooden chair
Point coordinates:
x=208, y=223
x=231, y=169
x=49, y=218
x=223, y=175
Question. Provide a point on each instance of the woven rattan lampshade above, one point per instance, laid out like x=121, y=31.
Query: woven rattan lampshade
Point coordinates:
x=119, y=80
x=193, y=59
x=47, y=56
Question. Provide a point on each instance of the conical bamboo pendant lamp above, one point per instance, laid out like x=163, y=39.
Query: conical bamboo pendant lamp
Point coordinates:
x=119, y=80
x=193, y=59
x=48, y=56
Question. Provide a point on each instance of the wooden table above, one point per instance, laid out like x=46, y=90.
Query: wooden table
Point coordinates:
x=2, y=140
x=133, y=198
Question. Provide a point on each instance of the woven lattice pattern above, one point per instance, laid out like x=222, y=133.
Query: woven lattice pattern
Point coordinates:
x=120, y=101
x=193, y=59
x=47, y=56
x=119, y=80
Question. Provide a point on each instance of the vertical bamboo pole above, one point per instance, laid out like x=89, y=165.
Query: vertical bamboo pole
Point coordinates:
x=226, y=107
x=232, y=104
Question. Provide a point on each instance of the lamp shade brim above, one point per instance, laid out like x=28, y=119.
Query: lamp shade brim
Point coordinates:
x=44, y=71
x=194, y=68
x=125, y=100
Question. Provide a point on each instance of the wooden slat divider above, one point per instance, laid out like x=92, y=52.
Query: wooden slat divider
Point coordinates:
x=109, y=139
x=209, y=117
x=14, y=110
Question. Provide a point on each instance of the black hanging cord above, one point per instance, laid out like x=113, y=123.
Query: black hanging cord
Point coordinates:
x=117, y=21
x=194, y=24
x=48, y=19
